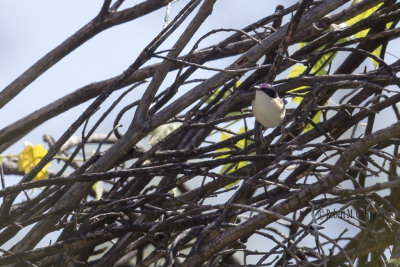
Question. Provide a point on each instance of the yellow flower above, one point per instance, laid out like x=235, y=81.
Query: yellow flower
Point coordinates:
x=31, y=156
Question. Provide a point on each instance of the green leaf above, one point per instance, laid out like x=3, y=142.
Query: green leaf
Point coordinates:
x=360, y=17
x=97, y=187
x=161, y=132
x=395, y=261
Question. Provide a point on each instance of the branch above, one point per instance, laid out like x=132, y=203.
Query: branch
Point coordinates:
x=297, y=201
x=81, y=36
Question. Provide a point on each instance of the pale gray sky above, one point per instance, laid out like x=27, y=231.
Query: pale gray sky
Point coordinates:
x=30, y=29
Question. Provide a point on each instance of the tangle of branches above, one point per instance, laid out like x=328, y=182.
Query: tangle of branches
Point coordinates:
x=321, y=191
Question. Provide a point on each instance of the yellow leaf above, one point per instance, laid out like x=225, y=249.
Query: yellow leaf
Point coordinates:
x=232, y=184
x=376, y=52
x=302, y=44
x=223, y=137
x=161, y=132
x=298, y=99
x=315, y=119
x=296, y=72
x=318, y=68
x=244, y=142
x=97, y=187
x=31, y=156
x=226, y=94
x=360, y=17
x=238, y=83
x=231, y=167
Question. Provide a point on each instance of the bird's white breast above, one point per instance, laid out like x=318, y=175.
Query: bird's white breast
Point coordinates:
x=268, y=111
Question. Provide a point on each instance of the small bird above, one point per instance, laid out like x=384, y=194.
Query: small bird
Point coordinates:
x=268, y=108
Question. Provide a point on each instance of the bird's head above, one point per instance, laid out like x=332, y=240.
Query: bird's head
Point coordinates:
x=268, y=89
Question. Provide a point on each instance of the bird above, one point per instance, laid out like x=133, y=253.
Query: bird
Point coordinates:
x=268, y=108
